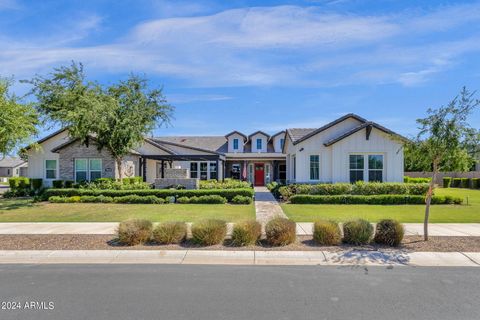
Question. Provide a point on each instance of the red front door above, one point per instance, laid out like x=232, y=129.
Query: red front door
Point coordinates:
x=259, y=174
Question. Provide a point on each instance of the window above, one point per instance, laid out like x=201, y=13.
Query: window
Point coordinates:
x=8, y=172
x=282, y=173
x=17, y=171
x=250, y=173
x=193, y=170
x=259, y=144
x=203, y=170
x=357, y=166
x=95, y=166
x=314, y=167
x=236, y=171
x=375, y=167
x=235, y=144
x=213, y=170
x=81, y=169
x=267, y=173
x=50, y=169
x=282, y=143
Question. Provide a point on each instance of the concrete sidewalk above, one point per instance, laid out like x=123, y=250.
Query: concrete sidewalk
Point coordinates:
x=436, y=229
x=209, y=257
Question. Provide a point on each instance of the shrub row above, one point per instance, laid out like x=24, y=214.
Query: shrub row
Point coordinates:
x=472, y=183
x=227, y=184
x=211, y=199
x=279, y=232
x=22, y=186
x=160, y=193
x=104, y=199
x=379, y=199
x=416, y=180
x=358, y=232
x=359, y=188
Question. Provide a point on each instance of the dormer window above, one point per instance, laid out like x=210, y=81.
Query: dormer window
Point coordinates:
x=235, y=144
x=259, y=144
x=282, y=143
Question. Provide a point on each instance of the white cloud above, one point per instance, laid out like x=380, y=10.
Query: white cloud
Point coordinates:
x=282, y=45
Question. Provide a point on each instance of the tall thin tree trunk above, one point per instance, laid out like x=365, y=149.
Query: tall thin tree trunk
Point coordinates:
x=428, y=200
x=118, y=160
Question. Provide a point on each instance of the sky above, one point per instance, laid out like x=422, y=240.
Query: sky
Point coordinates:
x=258, y=65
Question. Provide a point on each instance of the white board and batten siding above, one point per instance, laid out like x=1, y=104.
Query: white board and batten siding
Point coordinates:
x=37, y=158
x=334, y=159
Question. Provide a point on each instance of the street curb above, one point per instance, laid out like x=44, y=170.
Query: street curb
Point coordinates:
x=217, y=257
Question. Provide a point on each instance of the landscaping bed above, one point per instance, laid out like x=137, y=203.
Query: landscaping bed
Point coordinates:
x=303, y=243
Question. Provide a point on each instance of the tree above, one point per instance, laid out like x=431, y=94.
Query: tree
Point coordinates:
x=17, y=120
x=116, y=117
x=440, y=144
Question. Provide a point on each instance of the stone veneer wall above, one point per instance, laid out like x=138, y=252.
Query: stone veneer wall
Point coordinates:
x=77, y=150
x=171, y=173
x=190, y=184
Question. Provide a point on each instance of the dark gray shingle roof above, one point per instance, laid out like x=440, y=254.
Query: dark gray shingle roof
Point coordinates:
x=11, y=162
x=211, y=143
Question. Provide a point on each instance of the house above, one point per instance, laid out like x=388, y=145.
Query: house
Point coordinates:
x=346, y=150
x=12, y=167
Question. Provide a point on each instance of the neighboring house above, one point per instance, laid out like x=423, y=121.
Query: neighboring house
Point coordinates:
x=12, y=167
x=345, y=150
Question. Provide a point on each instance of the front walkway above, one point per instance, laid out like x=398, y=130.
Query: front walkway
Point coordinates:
x=266, y=206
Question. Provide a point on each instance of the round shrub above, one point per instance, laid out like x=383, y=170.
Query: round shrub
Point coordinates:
x=209, y=232
x=246, y=233
x=135, y=231
x=389, y=232
x=327, y=233
x=357, y=232
x=170, y=232
x=241, y=200
x=183, y=200
x=280, y=232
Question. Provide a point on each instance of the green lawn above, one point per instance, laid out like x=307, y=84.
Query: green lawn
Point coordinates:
x=405, y=213
x=26, y=211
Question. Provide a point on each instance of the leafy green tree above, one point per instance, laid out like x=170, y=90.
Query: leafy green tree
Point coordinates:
x=17, y=120
x=117, y=117
x=440, y=142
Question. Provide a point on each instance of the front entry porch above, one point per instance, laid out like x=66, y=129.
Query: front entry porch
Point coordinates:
x=259, y=172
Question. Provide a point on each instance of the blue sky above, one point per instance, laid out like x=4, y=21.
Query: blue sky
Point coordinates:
x=250, y=65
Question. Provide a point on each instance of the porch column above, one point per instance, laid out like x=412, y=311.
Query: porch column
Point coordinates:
x=224, y=166
x=163, y=169
x=144, y=169
x=218, y=169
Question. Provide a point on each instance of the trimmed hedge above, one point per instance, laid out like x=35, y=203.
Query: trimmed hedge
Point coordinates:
x=378, y=199
x=456, y=182
x=242, y=200
x=465, y=183
x=447, y=182
x=416, y=180
x=19, y=183
x=160, y=193
x=211, y=199
x=139, y=199
x=476, y=183
x=359, y=188
x=227, y=184
x=104, y=199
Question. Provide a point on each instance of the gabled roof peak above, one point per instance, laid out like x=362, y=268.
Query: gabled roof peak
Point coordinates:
x=245, y=138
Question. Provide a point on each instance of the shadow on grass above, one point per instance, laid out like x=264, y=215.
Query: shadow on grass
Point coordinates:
x=16, y=203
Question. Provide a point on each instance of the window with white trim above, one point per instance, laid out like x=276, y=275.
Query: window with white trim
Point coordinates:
x=193, y=170
x=282, y=143
x=357, y=167
x=88, y=169
x=235, y=144
x=375, y=167
x=50, y=169
x=213, y=170
x=259, y=144
x=314, y=167
x=81, y=170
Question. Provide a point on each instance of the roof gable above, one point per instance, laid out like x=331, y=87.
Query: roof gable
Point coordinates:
x=259, y=132
x=296, y=137
x=245, y=138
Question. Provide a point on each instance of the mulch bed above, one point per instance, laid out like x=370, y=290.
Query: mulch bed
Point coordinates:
x=107, y=242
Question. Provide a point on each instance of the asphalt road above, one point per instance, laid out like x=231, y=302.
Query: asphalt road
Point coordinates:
x=225, y=292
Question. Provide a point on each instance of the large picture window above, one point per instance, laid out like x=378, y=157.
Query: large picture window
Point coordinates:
x=314, y=167
x=88, y=169
x=375, y=168
x=50, y=169
x=357, y=167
